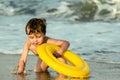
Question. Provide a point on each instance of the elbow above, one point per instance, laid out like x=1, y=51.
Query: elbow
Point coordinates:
x=67, y=43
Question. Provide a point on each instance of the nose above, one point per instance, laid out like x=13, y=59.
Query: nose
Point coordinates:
x=35, y=39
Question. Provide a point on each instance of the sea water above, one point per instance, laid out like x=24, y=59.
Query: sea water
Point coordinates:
x=90, y=26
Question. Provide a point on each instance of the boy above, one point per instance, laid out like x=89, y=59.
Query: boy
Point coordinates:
x=36, y=32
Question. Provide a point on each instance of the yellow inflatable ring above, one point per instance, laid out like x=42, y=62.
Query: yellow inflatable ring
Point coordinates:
x=79, y=67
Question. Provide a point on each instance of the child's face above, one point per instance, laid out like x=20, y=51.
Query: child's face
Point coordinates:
x=36, y=38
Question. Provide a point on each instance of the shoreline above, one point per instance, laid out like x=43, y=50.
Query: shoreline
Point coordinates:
x=99, y=70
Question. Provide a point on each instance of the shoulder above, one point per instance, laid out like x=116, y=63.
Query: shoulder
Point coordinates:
x=49, y=40
x=27, y=44
x=55, y=41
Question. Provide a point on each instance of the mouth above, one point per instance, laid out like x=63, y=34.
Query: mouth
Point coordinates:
x=36, y=44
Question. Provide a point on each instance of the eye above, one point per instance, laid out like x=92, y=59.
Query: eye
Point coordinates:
x=38, y=36
x=31, y=37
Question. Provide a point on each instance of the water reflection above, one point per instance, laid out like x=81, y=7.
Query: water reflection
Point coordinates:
x=38, y=76
x=42, y=76
x=46, y=76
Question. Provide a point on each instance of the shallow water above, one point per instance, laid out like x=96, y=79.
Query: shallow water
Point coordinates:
x=91, y=40
x=94, y=40
x=99, y=70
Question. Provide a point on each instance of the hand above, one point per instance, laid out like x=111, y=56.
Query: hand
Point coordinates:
x=18, y=71
x=57, y=55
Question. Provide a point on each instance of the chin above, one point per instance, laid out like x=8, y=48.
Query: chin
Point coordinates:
x=37, y=44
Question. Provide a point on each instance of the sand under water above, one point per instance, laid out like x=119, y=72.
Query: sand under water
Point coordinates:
x=99, y=70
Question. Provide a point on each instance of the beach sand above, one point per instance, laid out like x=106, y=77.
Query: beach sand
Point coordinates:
x=99, y=70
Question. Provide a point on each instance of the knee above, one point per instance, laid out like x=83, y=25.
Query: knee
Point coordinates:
x=37, y=71
x=44, y=67
x=62, y=60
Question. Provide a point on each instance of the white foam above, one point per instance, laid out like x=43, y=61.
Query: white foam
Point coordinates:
x=62, y=10
x=113, y=9
x=6, y=10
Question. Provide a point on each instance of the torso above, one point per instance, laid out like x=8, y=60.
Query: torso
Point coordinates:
x=33, y=48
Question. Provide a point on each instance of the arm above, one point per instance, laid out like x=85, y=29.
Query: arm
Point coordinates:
x=63, y=44
x=23, y=58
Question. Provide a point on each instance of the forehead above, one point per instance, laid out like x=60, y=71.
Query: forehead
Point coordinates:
x=30, y=31
x=35, y=34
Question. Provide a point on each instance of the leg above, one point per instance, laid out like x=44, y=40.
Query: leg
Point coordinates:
x=40, y=66
x=44, y=66
x=64, y=61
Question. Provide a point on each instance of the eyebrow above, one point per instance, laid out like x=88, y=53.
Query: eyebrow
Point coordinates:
x=36, y=34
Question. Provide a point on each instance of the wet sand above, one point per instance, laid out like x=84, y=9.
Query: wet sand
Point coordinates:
x=99, y=70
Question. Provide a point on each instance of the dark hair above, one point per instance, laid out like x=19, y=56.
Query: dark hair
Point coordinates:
x=36, y=25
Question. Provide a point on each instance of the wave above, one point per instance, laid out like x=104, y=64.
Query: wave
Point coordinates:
x=89, y=10
x=80, y=10
x=104, y=62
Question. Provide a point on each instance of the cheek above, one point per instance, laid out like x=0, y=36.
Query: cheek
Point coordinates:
x=40, y=40
x=31, y=40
